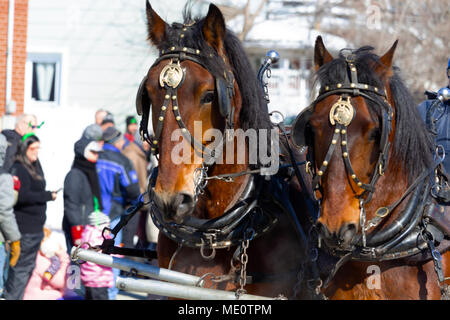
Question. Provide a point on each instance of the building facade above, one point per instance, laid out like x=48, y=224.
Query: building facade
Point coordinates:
x=13, y=49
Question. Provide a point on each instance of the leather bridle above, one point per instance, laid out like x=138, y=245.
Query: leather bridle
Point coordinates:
x=341, y=115
x=171, y=79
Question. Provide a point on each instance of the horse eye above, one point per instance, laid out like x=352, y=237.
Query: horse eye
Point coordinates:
x=374, y=134
x=208, y=97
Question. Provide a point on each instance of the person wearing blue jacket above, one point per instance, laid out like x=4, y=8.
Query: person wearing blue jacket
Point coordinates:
x=119, y=185
x=442, y=116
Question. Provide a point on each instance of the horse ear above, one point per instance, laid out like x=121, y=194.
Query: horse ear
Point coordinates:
x=156, y=26
x=321, y=54
x=388, y=57
x=214, y=29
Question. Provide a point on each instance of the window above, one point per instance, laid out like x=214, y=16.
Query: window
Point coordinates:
x=44, y=77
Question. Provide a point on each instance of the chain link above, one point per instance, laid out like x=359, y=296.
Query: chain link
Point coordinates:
x=362, y=221
x=249, y=233
x=200, y=180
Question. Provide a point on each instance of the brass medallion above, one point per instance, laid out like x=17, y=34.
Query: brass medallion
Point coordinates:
x=171, y=75
x=342, y=112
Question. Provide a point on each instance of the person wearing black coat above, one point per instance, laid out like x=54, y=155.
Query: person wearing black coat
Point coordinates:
x=81, y=187
x=30, y=213
x=25, y=123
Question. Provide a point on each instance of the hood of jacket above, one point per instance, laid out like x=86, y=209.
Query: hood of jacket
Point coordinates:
x=3, y=147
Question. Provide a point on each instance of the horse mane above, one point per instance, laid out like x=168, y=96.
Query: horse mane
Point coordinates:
x=254, y=111
x=412, y=141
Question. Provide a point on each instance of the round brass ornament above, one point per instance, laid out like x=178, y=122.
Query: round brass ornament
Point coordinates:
x=171, y=75
x=342, y=112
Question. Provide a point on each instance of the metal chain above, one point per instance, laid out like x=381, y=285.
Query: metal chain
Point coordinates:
x=74, y=255
x=249, y=233
x=200, y=181
x=243, y=276
x=362, y=221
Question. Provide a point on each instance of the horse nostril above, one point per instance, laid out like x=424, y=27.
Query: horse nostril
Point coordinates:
x=323, y=230
x=347, y=232
x=183, y=204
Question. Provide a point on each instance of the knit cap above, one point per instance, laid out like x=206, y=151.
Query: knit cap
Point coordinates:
x=98, y=218
x=111, y=135
x=93, y=132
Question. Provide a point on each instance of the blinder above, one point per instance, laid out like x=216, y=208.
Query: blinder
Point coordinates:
x=142, y=98
x=223, y=96
x=301, y=131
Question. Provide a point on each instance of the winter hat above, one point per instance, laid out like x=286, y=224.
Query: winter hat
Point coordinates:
x=111, y=135
x=81, y=145
x=49, y=245
x=98, y=218
x=109, y=118
x=130, y=120
x=93, y=132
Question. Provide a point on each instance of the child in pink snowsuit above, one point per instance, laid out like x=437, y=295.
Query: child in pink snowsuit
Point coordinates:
x=96, y=279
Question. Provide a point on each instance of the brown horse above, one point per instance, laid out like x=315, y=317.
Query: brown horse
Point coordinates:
x=372, y=164
x=216, y=218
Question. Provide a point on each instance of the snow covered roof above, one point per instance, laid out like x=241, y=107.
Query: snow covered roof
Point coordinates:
x=289, y=33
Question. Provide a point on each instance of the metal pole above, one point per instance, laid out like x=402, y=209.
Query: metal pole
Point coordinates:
x=180, y=291
x=132, y=266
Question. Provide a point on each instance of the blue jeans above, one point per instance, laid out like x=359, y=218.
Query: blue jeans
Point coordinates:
x=112, y=292
x=3, y=256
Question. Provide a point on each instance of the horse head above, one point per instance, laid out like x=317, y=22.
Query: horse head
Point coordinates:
x=354, y=131
x=196, y=95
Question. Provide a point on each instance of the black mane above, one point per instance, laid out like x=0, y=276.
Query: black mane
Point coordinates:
x=412, y=142
x=254, y=112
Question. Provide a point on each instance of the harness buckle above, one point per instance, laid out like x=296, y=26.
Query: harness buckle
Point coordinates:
x=211, y=242
x=381, y=169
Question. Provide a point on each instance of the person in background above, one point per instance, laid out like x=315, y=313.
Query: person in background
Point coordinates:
x=81, y=185
x=99, y=115
x=25, y=123
x=119, y=184
x=9, y=231
x=93, y=132
x=30, y=212
x=136, y=151
x=131, y=130
x=48, y=280
x=96, y=279
x=108, y=121
x=442, y=114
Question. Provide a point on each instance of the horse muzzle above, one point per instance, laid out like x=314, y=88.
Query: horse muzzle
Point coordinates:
x=174, y=207
x=342, y=239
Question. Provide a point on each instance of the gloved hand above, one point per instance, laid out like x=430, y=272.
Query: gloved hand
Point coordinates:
x=15, y=253
x=76, y=234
